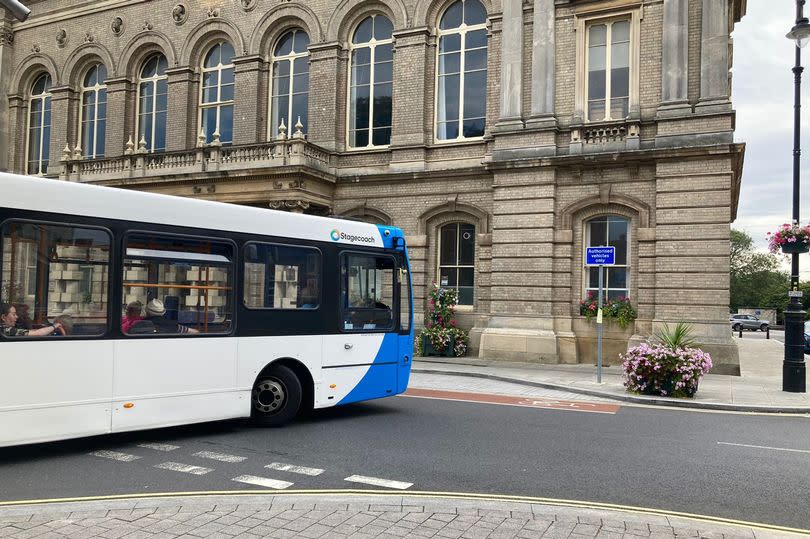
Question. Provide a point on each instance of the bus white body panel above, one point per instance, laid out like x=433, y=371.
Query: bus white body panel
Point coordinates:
x=55, y=390
x=191, y=372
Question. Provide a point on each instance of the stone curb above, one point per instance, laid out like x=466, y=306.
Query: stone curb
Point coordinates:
x=635, y=399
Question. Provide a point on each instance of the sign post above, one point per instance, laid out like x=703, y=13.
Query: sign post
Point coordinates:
x=600, y=256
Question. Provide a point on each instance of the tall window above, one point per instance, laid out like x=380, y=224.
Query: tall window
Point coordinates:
x=371, y=85
x=462, y=72
x=216, y=99
x=608, y=70
x=609, y=231
x=94, y=112
x=39, y=125
x=289, y=92
x=457, y=260
x=153, y=93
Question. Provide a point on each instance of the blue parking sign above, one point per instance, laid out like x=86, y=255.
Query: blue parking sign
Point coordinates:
x=600, y=256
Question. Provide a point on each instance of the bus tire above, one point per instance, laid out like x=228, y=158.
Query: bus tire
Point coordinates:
x=276, y=397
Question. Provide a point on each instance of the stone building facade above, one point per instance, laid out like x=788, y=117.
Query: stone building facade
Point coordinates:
x=503, y=136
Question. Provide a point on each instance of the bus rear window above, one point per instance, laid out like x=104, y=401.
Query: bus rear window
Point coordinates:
x=177, y=286
x=53, y=273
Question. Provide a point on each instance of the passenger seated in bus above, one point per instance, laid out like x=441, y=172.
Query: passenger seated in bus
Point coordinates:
x=66, y=321
x=132, y=315
x=23, y=316
x=156, y=313
x=8, y=325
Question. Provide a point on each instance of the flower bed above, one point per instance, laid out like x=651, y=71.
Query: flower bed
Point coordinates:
x=670, y=368
x=441, y=337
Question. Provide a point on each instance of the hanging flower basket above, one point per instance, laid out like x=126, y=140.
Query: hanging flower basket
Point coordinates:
x=790, y=239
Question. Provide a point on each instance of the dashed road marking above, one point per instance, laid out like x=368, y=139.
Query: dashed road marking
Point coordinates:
x=377, y=482
x=185, y=468
x=766, y=447
x=222, y=457
x=159, y=447
x=294, y=469
x=262, y=481
x=115, y=455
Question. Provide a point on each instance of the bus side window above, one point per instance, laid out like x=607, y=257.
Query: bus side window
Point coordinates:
x=281, y=277
x=56, y=272
x=367, y=292
x=180, y=285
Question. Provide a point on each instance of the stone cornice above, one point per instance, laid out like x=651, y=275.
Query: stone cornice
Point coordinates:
x=82, y=9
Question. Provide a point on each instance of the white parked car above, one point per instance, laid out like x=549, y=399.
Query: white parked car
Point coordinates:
x=747, y=321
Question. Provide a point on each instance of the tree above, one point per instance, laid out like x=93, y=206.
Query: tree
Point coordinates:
x=755, y=278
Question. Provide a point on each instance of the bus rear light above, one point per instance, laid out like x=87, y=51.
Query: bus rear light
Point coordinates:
x=129, y=405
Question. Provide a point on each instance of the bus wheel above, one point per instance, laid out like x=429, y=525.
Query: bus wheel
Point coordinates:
x=276, y=397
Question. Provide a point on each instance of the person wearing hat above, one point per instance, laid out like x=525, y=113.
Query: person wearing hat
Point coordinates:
x=156, y=313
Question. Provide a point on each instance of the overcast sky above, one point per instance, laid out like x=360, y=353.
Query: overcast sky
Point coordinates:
x=763, y=97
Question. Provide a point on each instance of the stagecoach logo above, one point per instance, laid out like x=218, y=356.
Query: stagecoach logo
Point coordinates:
x=337, y=235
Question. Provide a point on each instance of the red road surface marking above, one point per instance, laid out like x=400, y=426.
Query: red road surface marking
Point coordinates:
x=529, y=402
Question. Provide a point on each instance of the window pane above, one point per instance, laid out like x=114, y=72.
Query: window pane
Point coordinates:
x=617, y=278
x=474, y=13
x=359, y=138
x=190, y=279
x=301, y=42
x=618, y=239
x=466, y=276
x=383, y=72
x=226, y=92
x=593, y=278
x=616, y=294
x=364, y=31
x=475, y=59
x=209, y=123
x=404, y=300
x=382, y=136
x=449, y=63
x=447, y=130
x=285, y=45
x=212, y=58
x=56, y=273
x=384, y=53
x=453, y=16
x=475, y=94
x=361, y=74
x=476, y=39
x=448, y=277
x=281, y=112
x=620, y=31
x=448, y=97
x=226, y=124
x=227, y=76
x=474, y=127
x=282, y=277
x=466, y=245
x=449, y=237
x=300, y=103
x=618, y=107
x=367, y=292
x=160, y=131
x=449, y=43
x=597, y=35
x=465, y=295
x=598, y=232
x=360, y=98
x=383, y=29
x=382, y=104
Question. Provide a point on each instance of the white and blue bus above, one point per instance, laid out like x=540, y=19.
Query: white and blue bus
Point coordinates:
x=163, y=310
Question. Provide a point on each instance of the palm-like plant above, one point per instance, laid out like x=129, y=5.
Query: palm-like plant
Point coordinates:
x=678, y=337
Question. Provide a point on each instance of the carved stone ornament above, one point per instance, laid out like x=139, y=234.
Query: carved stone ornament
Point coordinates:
x=179, y=14
x=6, y=36
x=61, y=38
x=293, y=205
x=88, y=37
x=213, y=12
x=35, y=48
x=146, y=26
x=248, y=5
x=117, y=26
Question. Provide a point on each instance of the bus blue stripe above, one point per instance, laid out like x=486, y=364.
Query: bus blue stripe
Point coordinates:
x=381, y=375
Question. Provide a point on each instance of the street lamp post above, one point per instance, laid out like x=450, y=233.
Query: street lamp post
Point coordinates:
x=794, y=372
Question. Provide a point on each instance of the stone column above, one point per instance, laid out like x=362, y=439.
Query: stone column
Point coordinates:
x=511, y=88
x=324, y=104
x=6, y=70
x=181, y=118
x=119, y=125
x=714, y=59
x=249, y=101
x=674, y=59
x=543, y=65
x=64, y=128
x=410, y=93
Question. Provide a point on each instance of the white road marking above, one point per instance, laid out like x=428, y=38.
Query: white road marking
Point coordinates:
x=160, y=447
x=222, y=457
x=115, y=455
x=766, y=447
x=185, y=468
x=262, y=481
x=400, y=485
x=294, y=469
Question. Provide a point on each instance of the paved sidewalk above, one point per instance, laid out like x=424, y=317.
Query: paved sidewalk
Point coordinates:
x=354, y=516
x=757, y=389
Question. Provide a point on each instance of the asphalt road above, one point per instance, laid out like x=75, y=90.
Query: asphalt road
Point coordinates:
x=747, y=467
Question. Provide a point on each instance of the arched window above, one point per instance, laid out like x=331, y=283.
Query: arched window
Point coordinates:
x=153, y=93
x=39, y=125
x=461, y=85
x=610, y=230
x=457, y=260
x=216, y=96
x=371, y=84
x=289, y=91
x=94, y=112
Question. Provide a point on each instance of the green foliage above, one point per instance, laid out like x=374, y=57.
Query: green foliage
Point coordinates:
x=678, y=337
x=755, y=278
x=618, y=309
x=440, y=323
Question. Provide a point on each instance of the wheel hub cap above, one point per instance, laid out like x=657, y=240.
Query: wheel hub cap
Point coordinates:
x=268, y=396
